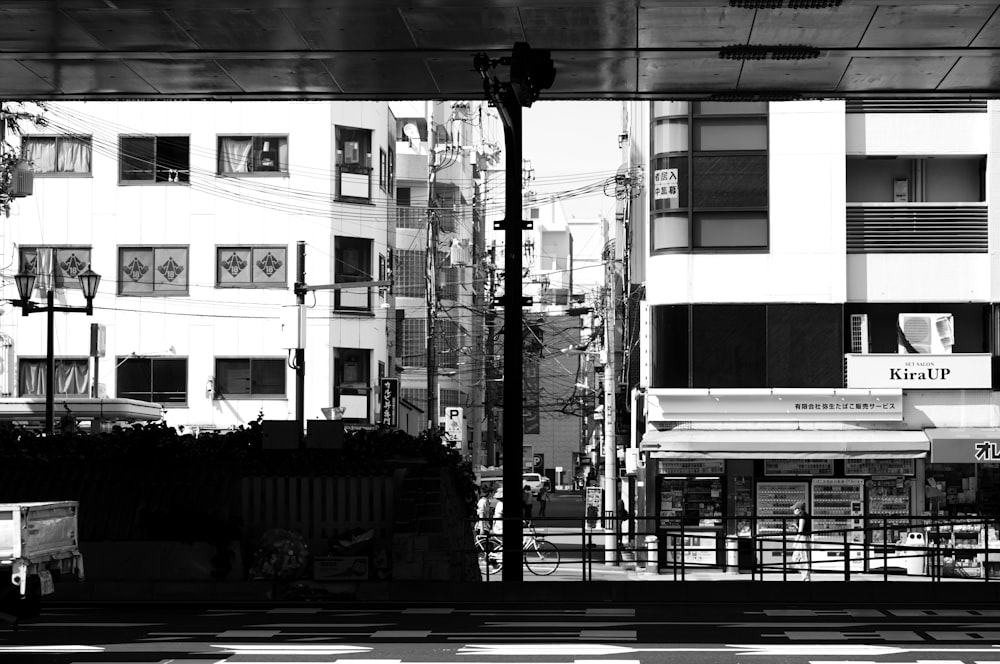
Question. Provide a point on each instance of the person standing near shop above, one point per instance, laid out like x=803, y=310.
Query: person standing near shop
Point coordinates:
x=543, y=500
x=803, y=540
x=526, y=497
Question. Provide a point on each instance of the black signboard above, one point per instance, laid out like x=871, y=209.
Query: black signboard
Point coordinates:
x=388, y=394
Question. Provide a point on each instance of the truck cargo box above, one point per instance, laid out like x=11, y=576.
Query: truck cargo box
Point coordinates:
x=37, y=539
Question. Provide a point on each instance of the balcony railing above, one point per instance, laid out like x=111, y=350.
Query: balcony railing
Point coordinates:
x=891, y=228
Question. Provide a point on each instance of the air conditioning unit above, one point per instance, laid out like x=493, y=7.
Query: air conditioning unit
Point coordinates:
x=925, y=333
x=859, y=333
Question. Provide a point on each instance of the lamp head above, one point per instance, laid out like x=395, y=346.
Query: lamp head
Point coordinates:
x=89, y=281
x=25, y=284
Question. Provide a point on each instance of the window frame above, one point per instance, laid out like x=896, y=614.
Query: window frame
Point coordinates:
x=383, y=169
x=128, y=360
x=221, y=249
x=692, y=116
x=363, y=387
x=365, y=247
x=219, y=395
x=154, y=292
x=58, y=138
x=362, y=166
x=281, y=169
x=42, y=360
x=184, y=174
x=61, y=281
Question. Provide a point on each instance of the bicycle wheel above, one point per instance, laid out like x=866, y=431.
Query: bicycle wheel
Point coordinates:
x=490, y=561
x=542, y=558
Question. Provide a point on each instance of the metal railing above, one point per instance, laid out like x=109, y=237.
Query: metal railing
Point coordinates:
x=890, y=549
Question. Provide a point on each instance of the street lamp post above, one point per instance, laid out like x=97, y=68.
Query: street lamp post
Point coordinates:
x=89, y=281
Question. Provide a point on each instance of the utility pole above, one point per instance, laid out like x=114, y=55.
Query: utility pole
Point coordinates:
x=431, y=274
x=490, y=353
x=299, y=363
x=530, y=72
x=610, y=447
x=300, y=350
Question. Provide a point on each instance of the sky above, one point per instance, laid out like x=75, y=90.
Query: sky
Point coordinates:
x=572, y=144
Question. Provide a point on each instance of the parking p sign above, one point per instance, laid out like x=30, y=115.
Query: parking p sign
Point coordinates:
x=454, y=426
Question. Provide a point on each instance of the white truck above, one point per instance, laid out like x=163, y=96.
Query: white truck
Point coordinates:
x=36, y=540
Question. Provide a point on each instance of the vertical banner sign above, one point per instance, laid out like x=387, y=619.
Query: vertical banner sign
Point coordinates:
x=665, y=184
x=531, y=342
x=388, y=391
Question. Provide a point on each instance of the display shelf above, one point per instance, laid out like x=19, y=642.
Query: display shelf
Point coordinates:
x=960, y=549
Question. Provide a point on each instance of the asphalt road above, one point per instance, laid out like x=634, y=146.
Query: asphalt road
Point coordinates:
x=430, y=633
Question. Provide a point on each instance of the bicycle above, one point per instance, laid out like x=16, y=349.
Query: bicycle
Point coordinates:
x=540, y=556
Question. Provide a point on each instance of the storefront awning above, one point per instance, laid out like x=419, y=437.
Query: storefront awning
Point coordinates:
x=82, y=408
x=964, y=445
x=784, y=444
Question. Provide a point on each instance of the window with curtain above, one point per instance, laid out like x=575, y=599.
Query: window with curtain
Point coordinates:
x=158, y=379
x=72, y=377
x=251, y=267
x=54, y=267
x=249, y=377
x=252, y=155
x=58, y=155
x=144, y=159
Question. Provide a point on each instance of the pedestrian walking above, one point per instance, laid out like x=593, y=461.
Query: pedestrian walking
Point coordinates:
x=803, y=540
x=484, y=512
x=526, y=497
x=543, y=500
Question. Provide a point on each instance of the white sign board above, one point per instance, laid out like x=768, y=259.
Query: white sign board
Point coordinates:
x=454, y=425
x=774, y=405
x=958, y=371
x=665, y=184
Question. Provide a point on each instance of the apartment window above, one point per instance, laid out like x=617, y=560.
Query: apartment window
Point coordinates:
x=158, y=379
x=59, y=155
x=145, y=159
x=403, y=196
x=354, y=163
x=711, y=177
x=251, y=266
x=249, y=377
x=54, y=267
x=413, y=342
x=72, y=376
x=352, y=263
x=383, y=169
x=391, y=178
x=352, y=382
x=153, y=270
x=747, y=345
x=252, y=155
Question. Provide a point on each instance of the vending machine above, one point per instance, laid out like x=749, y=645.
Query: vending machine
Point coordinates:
x=888, y=509
x=838, y=523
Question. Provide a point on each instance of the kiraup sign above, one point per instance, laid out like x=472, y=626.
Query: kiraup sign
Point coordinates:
x=962, y=371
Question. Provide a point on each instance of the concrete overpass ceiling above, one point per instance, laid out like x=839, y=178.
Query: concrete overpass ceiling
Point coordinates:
x=418, y=49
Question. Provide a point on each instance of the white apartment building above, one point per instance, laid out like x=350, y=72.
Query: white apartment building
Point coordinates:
x=820, y=319
x=192, y=213
x=443, y=150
